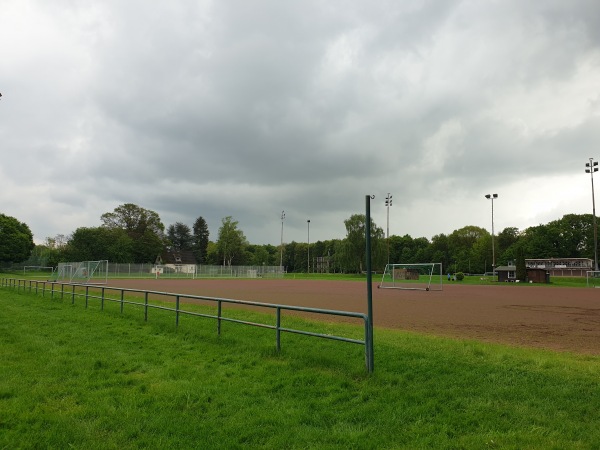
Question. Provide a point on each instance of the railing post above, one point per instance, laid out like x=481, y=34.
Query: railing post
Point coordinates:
x=122, y=294
x=368, y=356
x=278, y=328
x=146, y=306
x=72, y=294
x=62, y=291
x=177, y=310
x=87, y=295
x=43, y=288
x=102, y=300
x=52, y=290
x=219, y=317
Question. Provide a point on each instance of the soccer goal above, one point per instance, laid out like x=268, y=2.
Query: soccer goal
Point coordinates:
x=85, y=272
x=592, y=278
x=424, y=276
x=38, y=271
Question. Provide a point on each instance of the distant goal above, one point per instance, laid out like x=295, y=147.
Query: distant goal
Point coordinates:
x=423, y=277
x=83, y=272
x=593, y=278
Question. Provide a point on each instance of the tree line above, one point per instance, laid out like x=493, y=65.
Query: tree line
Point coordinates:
x=132, y=234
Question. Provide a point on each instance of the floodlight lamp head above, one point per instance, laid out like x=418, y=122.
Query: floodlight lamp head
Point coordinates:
x=495, y=195
x=488, y=196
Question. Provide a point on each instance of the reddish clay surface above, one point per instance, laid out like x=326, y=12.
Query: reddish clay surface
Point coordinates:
x=565, y=319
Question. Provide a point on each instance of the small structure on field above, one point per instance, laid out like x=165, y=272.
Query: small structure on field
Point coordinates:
x=406, y=274
x=534, y=275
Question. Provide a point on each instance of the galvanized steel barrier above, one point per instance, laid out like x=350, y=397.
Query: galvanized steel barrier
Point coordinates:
x=83, y=290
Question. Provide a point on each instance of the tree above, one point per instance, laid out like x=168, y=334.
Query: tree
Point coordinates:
x=440, y=251
x=521, y=268
x=142, y=226
x=94, y=244
x=16, y=240
x=134, y=219
x=467, y=250
x=231, y=242
x=200, y=240
x=355, y=243
x=180, y=236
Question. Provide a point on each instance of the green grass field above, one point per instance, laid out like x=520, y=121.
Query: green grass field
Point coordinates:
x=80, y=378
x=377, y=277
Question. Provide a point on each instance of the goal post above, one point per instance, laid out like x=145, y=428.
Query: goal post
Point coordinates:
x=422, y=276
x=592, y=278
x=38, y=271
x=85, y=272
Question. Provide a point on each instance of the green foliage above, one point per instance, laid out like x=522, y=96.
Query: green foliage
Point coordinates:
x=232, y=243
x=200, y=240
x=16, y=240
x=353, y=247
x=460, y=276
x=83, y=378
x=521, y=267
x=93, y=244
x=180, y=236
x=142, y=226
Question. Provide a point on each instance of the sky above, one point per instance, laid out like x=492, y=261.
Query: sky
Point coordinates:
x=250, y=108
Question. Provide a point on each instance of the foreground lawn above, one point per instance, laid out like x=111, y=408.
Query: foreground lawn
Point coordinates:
x=80, y=378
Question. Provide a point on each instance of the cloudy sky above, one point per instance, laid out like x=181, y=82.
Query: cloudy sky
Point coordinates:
x=250, y=108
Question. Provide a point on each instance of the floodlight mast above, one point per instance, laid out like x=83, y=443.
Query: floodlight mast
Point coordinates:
x=492, y=197
x=592, y=167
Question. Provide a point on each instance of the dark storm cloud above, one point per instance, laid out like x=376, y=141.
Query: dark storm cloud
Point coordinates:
x=250, y=108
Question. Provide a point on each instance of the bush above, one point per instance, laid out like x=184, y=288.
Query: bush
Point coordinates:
x=460, y=276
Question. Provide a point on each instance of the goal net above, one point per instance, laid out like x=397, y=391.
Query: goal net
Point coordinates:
x=593, y=278
x=38, y=271
x=424, y=276
x=85, y=272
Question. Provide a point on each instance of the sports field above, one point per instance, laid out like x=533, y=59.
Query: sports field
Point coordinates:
x=564, y=319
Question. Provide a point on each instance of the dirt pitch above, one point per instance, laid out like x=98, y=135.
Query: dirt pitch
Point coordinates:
x=564, y=319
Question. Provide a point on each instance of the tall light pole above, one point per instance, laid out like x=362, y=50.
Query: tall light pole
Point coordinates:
x=281, y=254
x=308, y=250
x=388, y=203
x=492, y=197
x=591, y=168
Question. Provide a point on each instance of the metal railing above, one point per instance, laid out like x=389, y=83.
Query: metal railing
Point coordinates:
x=101, y=293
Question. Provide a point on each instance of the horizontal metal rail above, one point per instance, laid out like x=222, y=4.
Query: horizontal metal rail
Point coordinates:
x=76, y=290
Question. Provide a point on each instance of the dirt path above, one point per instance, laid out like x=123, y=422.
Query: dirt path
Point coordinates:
x=566, y=319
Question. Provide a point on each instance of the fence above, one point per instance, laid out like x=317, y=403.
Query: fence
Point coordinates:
x=92, y=292
x=117, y=270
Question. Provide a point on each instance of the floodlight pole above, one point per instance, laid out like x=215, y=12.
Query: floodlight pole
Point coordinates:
x=591, y=168
x=388, y=203
x=308, y=248
x=492, y=197
x=281, y=249
x=369, y=343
